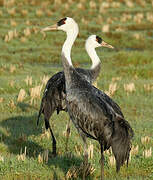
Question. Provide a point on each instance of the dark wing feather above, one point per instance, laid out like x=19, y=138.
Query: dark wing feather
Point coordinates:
x=91, y=115
x=108, y=100
x=53, y=96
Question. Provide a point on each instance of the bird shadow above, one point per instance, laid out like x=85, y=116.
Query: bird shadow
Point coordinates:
x=16, y=132
x=24, y=106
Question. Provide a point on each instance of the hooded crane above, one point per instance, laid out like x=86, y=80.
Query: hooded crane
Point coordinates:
x=54, y=93
x=90, y=112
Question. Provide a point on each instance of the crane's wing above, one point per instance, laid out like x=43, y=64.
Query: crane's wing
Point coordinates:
x=53, y=96
x=104, y=97
x=90, y=114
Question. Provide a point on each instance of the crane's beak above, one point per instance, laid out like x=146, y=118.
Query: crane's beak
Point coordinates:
x=104, y=44
x=50, y=28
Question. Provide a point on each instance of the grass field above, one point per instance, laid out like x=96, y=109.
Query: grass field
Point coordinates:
x=28, y=59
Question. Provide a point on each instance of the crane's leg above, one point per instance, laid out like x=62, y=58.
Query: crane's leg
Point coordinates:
x=85, y=155
x=102, y=161
x=67, y=135
x=53, y=138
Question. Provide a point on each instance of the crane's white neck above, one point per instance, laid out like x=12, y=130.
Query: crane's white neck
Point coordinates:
x=93, y=55
x=66, y=49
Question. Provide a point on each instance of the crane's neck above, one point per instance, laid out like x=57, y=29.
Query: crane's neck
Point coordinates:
x=93, y=55
x=66, y=49
x=66, y=56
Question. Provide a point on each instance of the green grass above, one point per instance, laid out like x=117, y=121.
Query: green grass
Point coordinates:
x=132, y=61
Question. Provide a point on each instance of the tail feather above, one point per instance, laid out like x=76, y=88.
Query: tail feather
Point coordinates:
x=121, y=141
x=40, y=112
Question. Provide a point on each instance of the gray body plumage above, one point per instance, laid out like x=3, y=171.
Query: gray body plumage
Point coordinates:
x=94, y=117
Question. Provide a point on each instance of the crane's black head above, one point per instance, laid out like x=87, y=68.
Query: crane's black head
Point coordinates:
x=99, y=39
x=61, y=22
x=96, y=41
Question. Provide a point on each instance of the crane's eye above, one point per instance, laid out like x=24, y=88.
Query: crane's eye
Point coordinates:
x=61, y=22
x=99, y=39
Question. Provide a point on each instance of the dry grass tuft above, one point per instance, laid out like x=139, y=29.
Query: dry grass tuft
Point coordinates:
x=145, y=140
x=120, y=29
x=27, y=32
x=1, y=12
x=28, y=80
x=112, y=89
x=141, y=3
x=149, y=17
x=112, y=160
x=11, y=83
x=92, y=5
x=43, y=157
x=24, y=12
x=35, y=92
x=12, y=104
x=49, y=12
x=21, y=95
x=103, y=7
x=116, y=79
x=45, y=135
x=147, y=153
x=13, y=23
x=129, y=88
x=23, y=39
x=11, y=12
x=72, y=173
x=44, y=79
x=125, y=17
x=105, y=28
x=108, y=151
x=22, y=156
x=115, y=4
x=138, y=17
x=15, y=33
x=90, y=150
x=129, y=4
x=148, y=87
x=12, y=68
x=75, y=172
x=39, y=12
x=9, y=36
x=35, y=30
x=40, y=158
x=84, y=21
x=137, y=36
x=80, y=6
x=28, y=23
x=65, y=133
x=57, y=2
x=66, y=6
x=9, y=3
x=134, y=150
x=110, y=20
x=45, y=4
x=78, y=149
x=1, y=158
x=1, y=100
